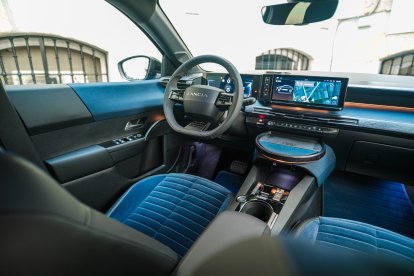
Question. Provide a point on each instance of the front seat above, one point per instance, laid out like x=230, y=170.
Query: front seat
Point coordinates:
x=173, y=208
x=46, y=231
x=352, y=236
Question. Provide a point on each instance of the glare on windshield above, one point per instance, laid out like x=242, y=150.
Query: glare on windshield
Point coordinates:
x=364, y=36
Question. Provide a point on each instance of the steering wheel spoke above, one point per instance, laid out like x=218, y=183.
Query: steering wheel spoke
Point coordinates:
x=224, y=100
x=177, y=95
x=198, y=126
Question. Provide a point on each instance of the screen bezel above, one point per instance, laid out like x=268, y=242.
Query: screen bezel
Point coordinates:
x=341, y=100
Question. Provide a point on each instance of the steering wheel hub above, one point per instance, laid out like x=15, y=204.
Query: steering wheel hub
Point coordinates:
x=200, y=100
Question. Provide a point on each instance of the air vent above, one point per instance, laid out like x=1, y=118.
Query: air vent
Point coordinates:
x=261, y=110
x=164, y=81
x=182, y=84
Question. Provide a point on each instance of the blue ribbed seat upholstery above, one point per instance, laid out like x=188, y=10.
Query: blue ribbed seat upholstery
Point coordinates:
x=355, y=236
x=172, y=208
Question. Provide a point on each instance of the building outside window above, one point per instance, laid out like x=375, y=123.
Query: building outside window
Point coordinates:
x=282, y=59
x=42, y=42
x=33, y=58
x=398, y=64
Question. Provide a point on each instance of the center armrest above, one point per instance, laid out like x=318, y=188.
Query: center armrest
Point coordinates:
x=226, y=229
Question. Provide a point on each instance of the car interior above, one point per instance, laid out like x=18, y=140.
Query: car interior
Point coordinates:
x=186, y=171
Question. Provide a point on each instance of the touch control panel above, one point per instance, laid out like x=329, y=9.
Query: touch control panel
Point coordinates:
x=317, y=92
x=271, y=124
x=302, y=127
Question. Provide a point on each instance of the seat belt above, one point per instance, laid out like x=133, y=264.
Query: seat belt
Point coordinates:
x=13, y=134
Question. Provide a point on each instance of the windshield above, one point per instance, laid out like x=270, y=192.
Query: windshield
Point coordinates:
x=364, y=36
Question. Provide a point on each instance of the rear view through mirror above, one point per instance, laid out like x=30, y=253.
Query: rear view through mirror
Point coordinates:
x=299, y=12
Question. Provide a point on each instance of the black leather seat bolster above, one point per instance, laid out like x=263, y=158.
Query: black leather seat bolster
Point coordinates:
x=43, y=225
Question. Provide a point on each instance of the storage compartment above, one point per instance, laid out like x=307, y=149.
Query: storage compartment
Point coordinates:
x=383, y=161
x=259, y=209
x=263, y=201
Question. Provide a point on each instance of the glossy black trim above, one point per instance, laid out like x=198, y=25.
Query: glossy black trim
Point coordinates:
x=381, y=95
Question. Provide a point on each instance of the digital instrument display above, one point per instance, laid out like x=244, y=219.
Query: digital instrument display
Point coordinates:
x=316, y=92
x=226, y=83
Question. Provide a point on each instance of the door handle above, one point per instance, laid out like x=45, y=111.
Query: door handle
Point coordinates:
x=135, y=124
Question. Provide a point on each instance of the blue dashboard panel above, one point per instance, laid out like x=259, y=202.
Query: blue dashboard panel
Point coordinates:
x=111, y=100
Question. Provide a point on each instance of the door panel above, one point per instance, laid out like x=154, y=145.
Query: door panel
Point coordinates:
x=45, y=108
x=97, y=139
x=111, y=100
x=81, y=162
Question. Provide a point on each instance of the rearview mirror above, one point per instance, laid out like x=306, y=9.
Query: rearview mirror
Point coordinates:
x=299, y=12
x=139, y=68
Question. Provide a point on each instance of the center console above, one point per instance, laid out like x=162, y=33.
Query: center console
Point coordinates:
x=289, y=120
x=263, y=201
x=283, y=187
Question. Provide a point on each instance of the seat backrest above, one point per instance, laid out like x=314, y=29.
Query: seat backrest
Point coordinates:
x=46, y=231
x=13, y=134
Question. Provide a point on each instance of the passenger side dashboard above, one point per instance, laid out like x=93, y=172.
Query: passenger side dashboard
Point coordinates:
x=372, y=135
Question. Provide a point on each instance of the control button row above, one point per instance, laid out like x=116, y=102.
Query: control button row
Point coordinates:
x=224, y=99
x=126, y=139
x=312, y=128
x=177, y=95
x=266, y=88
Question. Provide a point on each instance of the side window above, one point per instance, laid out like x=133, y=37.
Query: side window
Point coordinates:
x=56, y=42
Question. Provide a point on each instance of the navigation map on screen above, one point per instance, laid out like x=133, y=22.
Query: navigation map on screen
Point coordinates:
x=308, y=91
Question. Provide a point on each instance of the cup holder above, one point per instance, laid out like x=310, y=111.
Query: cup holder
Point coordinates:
x=259, y=209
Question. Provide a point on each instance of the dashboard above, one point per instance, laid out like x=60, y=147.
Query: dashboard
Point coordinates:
x=316, y=92
x=315, y=104
x=371, y=132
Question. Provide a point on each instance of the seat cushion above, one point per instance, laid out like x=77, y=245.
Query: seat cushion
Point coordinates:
x=172, y=208
x=355, y=236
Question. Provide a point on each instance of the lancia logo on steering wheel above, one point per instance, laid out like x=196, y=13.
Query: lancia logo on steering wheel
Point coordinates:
x=197, y=94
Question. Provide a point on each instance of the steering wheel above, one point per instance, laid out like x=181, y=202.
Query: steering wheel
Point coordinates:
x=207, y=105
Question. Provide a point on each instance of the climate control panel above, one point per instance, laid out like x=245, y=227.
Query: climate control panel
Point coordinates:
x=264, y=122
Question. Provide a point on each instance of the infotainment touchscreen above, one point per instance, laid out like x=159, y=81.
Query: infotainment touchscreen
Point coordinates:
x=310, y=91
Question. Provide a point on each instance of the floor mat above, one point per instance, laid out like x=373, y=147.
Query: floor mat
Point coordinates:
x=206, y=159
x=229, y=180
x=370, y=200
x=228, y=156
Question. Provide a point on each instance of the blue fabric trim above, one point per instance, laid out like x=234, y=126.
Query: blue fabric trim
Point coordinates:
x=172, y=208
x=356, y=236
x=110, y=100
x=321, y=169
x=124, y=205
x=308, y=230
